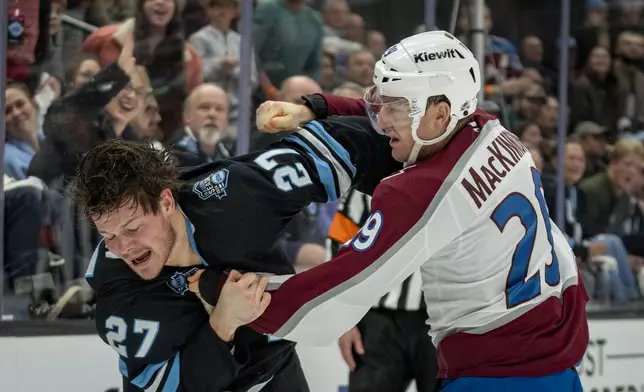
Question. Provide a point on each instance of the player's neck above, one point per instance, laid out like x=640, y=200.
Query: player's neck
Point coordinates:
x=182, y=253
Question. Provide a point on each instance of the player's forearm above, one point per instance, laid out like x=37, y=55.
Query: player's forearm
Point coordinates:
x=325, y=105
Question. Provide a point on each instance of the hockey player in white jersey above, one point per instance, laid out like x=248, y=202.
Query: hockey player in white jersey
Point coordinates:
x=504, y=300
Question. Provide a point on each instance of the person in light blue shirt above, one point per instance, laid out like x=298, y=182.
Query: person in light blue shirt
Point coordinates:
x=21, y=120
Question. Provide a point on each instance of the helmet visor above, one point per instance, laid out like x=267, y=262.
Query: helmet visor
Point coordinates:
x=386, y=112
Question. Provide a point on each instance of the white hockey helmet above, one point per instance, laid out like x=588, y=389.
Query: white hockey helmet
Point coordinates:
x=425, y=65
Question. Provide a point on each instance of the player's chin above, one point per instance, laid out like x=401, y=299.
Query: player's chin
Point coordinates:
x=400, y=154
x=150, y=270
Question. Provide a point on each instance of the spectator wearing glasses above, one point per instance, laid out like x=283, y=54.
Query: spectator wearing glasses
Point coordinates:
x=609, y=190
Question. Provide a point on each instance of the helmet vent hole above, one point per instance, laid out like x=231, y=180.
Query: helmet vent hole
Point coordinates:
x=472, y=73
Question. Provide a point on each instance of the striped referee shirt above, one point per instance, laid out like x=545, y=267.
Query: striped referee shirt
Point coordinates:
x=353, y=211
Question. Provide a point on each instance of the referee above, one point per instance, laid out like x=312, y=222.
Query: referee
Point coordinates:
x=391, y=345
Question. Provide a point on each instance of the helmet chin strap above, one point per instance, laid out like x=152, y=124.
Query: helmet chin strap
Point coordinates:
x=419, y=143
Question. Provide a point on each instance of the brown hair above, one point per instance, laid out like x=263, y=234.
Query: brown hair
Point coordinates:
x=118, y=172
x=627, y=147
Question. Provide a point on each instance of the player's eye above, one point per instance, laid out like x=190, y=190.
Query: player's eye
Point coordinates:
x=133, y=230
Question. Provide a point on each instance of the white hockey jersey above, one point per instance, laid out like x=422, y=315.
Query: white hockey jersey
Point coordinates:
x=499, y=279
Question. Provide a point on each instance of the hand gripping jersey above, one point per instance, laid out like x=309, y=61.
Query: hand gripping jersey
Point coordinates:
x=235, y=210
x=499, y=279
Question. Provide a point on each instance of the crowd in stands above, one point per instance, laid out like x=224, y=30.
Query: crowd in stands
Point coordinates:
x=168, y=71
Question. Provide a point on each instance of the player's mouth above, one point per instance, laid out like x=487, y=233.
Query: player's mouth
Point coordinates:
x=393, y=141
x=142, y=260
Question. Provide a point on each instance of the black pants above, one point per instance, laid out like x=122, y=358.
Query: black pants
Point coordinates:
x=289, y=378
x=398, y=350
x=274, y=363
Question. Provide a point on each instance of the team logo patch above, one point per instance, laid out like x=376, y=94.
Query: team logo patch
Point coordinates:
x=390, y=50
x=213, y=185
x=179, y=281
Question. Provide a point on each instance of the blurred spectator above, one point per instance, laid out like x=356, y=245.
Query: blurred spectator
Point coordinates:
x=174, y=67
x=529, y=104
x=71, y=38
x=203, y=138
x=628, y=18
x=54, y=64
x=219, y=48
x=376, y=43
x=532, y=51
x=532, y=57
x=503, y=68
x=81, y=70
x=28, y=49
x=610, y=189
x=630, y=78
x=291, y=91
x=594, y=32
x=90, y=114
x=354, y=29
x=604, y=257
x=530, y=134
x=360, y=68
x=49, y=89
x=350, y=90
x=146, y=124
x=537, y=157
x=194, y=16
x=281, y=53
x=330, y=78
x=548, y=117
x=336, y=16
x=296, y=86
x=592, y=137
x=21, y=122
x=596, y=96
x=106, y=12
x=24, y=218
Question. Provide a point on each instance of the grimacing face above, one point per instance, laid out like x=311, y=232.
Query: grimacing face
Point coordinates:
x=143, y=240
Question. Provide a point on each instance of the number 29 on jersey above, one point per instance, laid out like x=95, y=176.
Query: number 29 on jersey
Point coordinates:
x=520, y=288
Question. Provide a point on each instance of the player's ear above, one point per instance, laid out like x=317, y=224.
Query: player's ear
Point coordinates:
x=443, y=113
x=166, y=201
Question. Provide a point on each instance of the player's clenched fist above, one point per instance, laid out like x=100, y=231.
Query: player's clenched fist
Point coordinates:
x=277, y=116
x=241, y=301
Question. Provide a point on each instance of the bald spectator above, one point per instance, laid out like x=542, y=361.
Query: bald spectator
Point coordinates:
x=205, y=116
x=376, y=43
x=354, y=29
x=291, y=91
x=350, y=90
x=360, y=68
x=294, y=87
